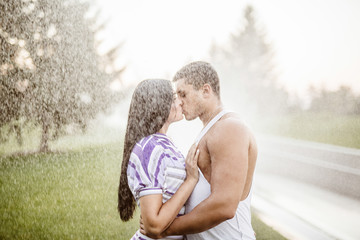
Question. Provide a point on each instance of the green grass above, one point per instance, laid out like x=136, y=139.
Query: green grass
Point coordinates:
x=263, y=231
x=69, y=195
x=62, y=196
x=318, y=127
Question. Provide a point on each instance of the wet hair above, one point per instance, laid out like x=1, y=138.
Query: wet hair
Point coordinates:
x=149, y=110
x=199, y=73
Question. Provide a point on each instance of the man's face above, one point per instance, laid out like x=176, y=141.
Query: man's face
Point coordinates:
x=190, y=99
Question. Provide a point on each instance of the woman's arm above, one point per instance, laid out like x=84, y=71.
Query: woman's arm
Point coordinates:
x=229, y=167
x=156, y=216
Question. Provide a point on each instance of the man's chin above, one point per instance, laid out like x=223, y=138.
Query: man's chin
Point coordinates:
x=189, y=118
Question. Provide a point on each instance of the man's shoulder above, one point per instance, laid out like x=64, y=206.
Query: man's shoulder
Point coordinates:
x=228, y=129
x=230, y=123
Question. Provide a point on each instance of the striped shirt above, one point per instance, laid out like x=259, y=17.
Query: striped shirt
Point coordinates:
x=155, y=166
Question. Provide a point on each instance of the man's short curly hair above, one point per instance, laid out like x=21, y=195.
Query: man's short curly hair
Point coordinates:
x=199, y=73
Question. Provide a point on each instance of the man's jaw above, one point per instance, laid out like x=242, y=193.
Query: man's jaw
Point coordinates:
x=185, y=115
x=188, y=117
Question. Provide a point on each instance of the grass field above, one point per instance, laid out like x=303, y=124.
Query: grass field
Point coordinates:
x=318, y=127
x=69, y=195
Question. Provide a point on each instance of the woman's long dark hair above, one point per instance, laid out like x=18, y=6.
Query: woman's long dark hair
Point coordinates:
x=149, y=109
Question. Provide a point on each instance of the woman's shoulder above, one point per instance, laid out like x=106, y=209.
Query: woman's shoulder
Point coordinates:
x=156, y=139
x=151, y=140
x=148, y=145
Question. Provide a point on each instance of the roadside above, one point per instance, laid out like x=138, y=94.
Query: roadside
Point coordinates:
x=308, y=190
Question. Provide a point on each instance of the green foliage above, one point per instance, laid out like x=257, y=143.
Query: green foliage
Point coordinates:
x=342, y=101
x=50, y=70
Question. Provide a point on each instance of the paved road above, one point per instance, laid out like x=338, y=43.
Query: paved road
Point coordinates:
x=308, y=190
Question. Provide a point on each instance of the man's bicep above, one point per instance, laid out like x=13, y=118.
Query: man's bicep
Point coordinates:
x=229, y=165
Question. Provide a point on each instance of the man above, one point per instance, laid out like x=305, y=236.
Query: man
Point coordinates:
x=219, y=207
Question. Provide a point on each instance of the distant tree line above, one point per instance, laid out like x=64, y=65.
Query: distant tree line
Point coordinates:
x=342, y=101
x=51, y=73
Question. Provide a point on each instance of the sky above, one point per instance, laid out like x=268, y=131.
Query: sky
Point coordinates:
x=316, y=42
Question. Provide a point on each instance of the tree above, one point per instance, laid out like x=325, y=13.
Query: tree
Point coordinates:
x=51, y=71
x=246, y=65
x=342, y=101
x=11, y=88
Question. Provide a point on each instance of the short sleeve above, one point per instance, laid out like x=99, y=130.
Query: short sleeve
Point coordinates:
x=146, y=169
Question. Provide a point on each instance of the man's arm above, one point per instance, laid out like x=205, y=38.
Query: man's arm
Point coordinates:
x=228, y=148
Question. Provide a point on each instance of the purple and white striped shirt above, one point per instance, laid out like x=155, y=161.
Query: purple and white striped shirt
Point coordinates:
x=155, y=166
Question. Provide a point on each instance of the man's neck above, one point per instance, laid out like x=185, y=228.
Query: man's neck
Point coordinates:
x=211, y=113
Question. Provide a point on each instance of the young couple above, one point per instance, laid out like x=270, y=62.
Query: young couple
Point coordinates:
x=203, y=196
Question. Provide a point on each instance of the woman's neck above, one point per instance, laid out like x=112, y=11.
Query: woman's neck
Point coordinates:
x=164, y=128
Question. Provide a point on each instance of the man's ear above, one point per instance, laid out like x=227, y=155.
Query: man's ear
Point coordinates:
x=206, y=90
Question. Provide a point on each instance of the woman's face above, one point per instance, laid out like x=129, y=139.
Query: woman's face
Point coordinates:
x=176, y=110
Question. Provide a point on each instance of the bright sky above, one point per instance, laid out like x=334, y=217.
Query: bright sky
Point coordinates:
x=315, y=41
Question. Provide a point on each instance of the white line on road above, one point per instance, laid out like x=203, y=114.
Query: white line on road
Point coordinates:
x=312, y=161
x=309, y=144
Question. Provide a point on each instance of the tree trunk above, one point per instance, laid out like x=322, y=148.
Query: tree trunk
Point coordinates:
x=19, y=137
x=45, y=134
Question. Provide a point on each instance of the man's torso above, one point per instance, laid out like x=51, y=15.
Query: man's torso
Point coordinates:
x=204, y=161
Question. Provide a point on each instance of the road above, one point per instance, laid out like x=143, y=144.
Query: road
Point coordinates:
x=308, y=190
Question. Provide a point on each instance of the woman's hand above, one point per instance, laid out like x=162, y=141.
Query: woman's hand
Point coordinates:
x=192, y=171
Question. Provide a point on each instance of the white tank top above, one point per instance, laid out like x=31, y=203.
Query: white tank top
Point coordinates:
x=239, y=227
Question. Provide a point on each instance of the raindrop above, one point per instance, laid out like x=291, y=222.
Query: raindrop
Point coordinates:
x=52, y=31
x=13, y=41
x=22, y=43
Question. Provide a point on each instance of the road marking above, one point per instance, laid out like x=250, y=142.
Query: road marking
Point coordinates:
x=314, y=161
x=310, y=144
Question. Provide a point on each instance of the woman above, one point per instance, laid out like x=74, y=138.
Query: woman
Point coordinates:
x=153, y=172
